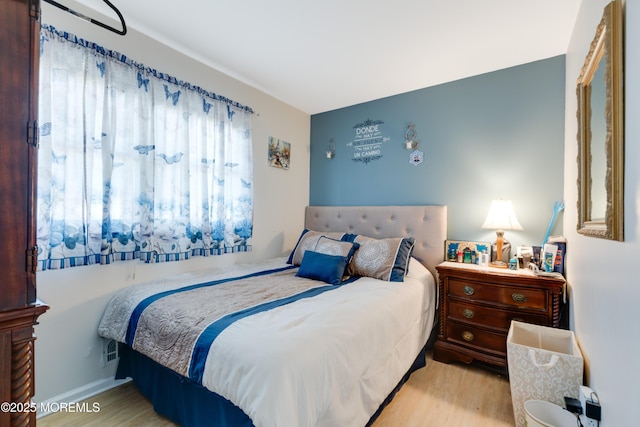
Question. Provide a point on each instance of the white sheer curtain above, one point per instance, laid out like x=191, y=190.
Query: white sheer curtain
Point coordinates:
x=134, y=163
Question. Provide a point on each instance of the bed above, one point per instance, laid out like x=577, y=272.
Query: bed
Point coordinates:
x=299, y=348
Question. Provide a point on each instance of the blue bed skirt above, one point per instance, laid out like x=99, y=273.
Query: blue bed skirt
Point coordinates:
x=190, y=404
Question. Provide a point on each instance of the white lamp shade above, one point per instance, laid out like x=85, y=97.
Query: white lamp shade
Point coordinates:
x=501, y=216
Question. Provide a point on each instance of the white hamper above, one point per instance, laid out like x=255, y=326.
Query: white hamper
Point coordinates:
x=544, y=363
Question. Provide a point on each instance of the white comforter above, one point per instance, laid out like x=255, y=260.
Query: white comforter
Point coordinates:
x=329, y=360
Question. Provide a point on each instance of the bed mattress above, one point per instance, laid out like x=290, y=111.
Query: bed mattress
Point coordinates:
x=304, y=354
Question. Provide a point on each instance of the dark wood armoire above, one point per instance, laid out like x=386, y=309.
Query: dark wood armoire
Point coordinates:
x=19, y=306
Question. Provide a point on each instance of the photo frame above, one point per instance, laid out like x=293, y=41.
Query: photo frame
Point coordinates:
x=451, y=248
x=279, y=153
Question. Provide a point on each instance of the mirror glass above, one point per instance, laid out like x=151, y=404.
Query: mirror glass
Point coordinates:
x=598, y=145
x=600, y=131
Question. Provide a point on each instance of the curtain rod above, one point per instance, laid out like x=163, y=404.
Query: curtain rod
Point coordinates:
x=93, y=21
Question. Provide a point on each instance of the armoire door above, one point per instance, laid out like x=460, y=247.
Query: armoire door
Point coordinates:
x=19, y=307
x=19, y=47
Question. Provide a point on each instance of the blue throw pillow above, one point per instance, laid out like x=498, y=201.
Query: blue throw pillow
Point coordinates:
x=319, y=266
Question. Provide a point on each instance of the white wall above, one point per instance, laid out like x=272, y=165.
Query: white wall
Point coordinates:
x=68, y=347
x=603, y=275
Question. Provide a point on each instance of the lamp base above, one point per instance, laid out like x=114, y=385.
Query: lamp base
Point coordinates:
x=498, y=264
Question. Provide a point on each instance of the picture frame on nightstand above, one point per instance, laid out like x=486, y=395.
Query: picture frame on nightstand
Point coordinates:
x=451, y=248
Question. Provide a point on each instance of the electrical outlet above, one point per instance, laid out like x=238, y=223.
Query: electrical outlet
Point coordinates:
x=586, y=394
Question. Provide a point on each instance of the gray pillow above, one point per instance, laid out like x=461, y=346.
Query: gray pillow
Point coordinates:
x=384, y=259
x=307, y=241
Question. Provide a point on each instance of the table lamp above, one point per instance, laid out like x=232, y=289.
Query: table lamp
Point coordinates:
x=501, y=217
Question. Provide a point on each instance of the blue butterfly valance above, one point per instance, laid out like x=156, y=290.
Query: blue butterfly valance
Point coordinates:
x=47, y=31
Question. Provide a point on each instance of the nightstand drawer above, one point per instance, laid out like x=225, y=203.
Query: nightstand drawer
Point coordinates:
x=497, y=294
x=475, y=338
x=490, y=317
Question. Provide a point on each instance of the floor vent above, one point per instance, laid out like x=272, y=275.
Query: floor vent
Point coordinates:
x=109, y=352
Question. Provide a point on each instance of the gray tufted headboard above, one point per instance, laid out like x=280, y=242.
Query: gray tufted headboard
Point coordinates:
x=426, y=224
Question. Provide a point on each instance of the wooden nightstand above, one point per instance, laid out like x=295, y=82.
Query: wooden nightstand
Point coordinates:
x=477, y=305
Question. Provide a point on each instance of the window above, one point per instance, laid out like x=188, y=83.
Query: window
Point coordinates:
x=134, y=163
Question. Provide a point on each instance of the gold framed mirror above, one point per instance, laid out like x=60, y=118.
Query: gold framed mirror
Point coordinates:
x=601, y=131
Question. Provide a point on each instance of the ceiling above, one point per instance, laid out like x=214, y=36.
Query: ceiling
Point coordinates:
x=327, y=54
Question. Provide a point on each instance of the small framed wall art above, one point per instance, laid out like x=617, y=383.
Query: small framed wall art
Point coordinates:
x=279, y=155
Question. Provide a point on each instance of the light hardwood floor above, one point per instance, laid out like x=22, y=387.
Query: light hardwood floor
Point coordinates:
x=438, y=395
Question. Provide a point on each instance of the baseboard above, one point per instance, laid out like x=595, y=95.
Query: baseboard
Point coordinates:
x=78, y=395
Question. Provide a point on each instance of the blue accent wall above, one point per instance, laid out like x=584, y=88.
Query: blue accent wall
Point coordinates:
x=491, y=136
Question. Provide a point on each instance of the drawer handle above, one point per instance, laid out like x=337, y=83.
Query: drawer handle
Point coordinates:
x=467, y=336
x=468, y=290
x=518, y=297
x=468, y=313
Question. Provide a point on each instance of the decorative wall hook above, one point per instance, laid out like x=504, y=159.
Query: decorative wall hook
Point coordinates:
x=410, y=137
x=331, y=149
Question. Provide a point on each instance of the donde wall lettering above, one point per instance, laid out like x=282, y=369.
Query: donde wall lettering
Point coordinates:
x=367, y=141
